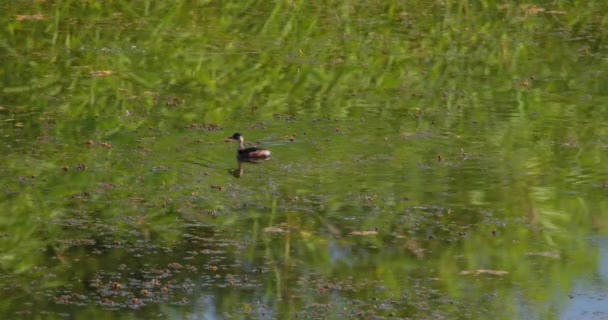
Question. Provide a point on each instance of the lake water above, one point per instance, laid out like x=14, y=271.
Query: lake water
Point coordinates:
x=430, y=160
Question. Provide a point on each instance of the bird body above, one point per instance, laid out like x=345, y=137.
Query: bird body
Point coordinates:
x=249, y=154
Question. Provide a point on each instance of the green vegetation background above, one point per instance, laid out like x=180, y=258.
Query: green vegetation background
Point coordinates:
x=112, y=109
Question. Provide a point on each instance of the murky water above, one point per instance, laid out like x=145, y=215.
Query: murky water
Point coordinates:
x=429, y=160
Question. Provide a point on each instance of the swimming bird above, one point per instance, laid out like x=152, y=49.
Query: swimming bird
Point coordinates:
x=249, y=154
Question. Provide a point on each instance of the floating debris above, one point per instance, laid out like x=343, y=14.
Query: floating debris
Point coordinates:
x=274, y=230
x=485, y=271
x=547, y=254
x=102, y=73
x=29, y=17
x=364, y=233
x=204, y=126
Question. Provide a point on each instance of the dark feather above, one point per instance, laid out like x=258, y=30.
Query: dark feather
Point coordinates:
x=249, y=154
x=254, y=153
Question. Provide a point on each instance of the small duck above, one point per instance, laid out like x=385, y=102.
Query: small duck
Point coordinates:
x=249, y=154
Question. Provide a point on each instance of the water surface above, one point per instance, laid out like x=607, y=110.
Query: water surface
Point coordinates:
x=430, y=160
